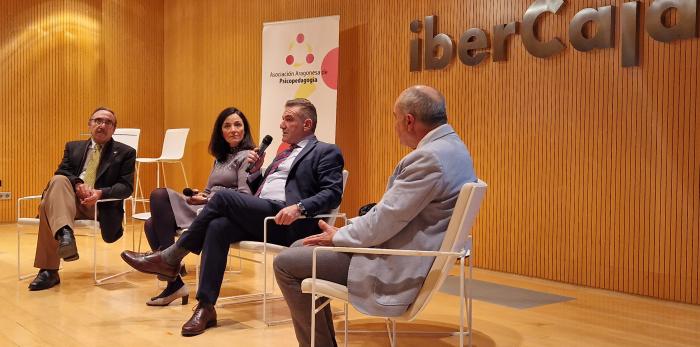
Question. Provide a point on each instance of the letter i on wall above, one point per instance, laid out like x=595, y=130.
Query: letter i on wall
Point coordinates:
x=416, y=47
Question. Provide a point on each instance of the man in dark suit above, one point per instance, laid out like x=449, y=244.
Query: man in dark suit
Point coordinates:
x=94, y=169
x=305, y=179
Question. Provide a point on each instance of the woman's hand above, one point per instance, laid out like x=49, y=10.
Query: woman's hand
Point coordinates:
x=198, y=199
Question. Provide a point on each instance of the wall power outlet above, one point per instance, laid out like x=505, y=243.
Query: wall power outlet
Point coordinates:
x=5, y=195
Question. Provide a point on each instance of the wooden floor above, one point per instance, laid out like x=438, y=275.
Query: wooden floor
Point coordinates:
x=78, y=313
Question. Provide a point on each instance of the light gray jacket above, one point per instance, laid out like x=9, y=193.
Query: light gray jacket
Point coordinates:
x=413, y=214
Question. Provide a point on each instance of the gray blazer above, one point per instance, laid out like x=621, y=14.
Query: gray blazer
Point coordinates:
x=413, y=214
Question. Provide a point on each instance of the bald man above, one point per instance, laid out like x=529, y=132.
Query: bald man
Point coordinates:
x=413, y=214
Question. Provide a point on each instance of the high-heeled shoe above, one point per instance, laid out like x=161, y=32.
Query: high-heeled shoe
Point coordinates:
x=183, y=293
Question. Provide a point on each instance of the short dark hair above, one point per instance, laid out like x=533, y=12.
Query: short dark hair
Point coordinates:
x=425, y=103
x=102, y=108
x=218, y=147
x=307, y=108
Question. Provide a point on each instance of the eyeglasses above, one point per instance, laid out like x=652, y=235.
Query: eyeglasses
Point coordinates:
x=102, y=121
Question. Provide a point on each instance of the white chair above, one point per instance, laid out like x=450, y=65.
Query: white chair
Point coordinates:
x=263, y=248
x=455, y=245
x=127, y=136
x=172, y=152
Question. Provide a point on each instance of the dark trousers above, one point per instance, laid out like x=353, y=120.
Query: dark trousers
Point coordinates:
x=161, y=228
x=231, y=217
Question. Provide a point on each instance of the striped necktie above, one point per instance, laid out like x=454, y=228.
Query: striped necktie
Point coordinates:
x=91, y=169
x=281, y=156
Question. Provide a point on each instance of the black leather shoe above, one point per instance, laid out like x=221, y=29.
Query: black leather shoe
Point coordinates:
x=67, y=248
x=45, y=279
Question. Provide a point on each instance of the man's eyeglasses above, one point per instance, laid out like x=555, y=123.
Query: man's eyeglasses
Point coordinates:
x=102, y=121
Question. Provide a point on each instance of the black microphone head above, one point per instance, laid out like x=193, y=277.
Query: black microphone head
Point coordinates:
x=188, y=192
x=267, y=140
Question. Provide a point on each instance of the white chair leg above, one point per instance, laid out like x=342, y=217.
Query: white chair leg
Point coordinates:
x=165, y=180
x=157, y=174
x=264, y=300
x=391, y=331
x=99, y=281
x=19, y=273
x=94, y=248
x=264, y=265
x=462, y=306
x=345, y=313
x=184, y=175
x=313, y=317
x=139, y=190
x=469, y=303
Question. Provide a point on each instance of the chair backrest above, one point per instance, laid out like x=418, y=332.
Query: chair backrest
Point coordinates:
x=174, y=144
x=128, y=136
x=331, y=220
x=457, y=238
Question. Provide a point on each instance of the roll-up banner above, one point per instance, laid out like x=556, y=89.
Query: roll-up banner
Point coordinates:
x=299, y=60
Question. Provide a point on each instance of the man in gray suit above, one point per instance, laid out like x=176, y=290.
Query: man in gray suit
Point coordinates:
x=413, y=214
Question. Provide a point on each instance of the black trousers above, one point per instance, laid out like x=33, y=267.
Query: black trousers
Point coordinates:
x=231, y=217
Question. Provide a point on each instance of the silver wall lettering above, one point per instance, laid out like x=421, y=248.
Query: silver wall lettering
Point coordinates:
x=416, y=62
x=433, y=43
x=471, y=41
x=685, y=27
x=604, y=18
x=500, y=37
x=431, y=50
x=530, y=40
x=629, y=33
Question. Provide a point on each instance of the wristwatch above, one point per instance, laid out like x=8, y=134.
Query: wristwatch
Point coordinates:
x=301, y=208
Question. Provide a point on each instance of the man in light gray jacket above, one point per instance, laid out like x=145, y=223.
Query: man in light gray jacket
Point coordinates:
x=413, y=214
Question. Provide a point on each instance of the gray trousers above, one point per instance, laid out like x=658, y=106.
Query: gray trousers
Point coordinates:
x=292, y=266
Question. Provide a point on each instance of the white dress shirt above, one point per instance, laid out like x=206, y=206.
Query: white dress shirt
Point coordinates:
x=273, y=187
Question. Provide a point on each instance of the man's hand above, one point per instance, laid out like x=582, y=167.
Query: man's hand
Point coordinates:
x=198, y=199
x=253, y=157
x=323, y=239
x=82, y=191
x=95, y=194
x=288, y=215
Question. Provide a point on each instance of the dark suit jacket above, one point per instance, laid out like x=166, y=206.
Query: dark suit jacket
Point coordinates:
x=315, y=179
x=115, y=177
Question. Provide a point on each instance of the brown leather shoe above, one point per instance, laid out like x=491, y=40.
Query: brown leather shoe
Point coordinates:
x=204, y=317
x=151, y=264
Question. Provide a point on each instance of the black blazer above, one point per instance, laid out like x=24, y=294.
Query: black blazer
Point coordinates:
x=315, y=179
x=115, y=177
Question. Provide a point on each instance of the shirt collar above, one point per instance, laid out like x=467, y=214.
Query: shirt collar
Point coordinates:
x=428, y=137
x=305, y=141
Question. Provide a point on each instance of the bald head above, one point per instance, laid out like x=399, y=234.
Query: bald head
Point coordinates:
x=425, y=103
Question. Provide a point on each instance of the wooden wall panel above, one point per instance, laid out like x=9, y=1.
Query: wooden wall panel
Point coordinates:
x=593, y=169
x=59, y=60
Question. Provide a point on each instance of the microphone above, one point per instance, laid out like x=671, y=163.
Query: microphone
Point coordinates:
x=266, y=141
x=188, y=192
